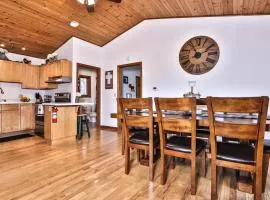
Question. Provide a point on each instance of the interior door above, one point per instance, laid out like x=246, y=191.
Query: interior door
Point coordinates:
x=138, y=87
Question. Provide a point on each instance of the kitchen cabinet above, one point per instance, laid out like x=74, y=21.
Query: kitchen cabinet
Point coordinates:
x=11, y=119
x=63, y=68
x=34, y=77
x=0, y=119
x=44, y=74
x=10, y=71
x=30, y=78
x=27, y=116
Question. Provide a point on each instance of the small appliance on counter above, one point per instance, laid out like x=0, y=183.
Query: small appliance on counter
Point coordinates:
x=38, y=98
x=47, y=98
x=64, y=97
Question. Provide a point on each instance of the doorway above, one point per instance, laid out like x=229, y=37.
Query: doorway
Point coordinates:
x=129, y=80
x=88, y=87
x=129, y=83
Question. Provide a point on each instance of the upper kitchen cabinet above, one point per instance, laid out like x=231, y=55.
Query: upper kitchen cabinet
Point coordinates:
x=34, y=77
x=64, y=68
x=44, y=74
x=10, y=71
x=30, y=77
x=60, y=68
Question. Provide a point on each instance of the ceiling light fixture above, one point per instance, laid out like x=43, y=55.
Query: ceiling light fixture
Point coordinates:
x=23, y=48
x=74, y=24
x=2, y=45
x=87, y=2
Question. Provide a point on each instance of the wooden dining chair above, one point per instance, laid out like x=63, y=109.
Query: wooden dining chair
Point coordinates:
x=138, y=129
x=172, y=118
x=240, y=156
x=266, y=158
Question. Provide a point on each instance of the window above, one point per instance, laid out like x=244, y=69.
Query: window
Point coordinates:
x=84, y=85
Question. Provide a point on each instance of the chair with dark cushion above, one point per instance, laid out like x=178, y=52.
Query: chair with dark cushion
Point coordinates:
x=182, y=143
x=138, y=129
x=239, y=156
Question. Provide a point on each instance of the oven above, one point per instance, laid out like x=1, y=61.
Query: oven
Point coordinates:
x=39, y=120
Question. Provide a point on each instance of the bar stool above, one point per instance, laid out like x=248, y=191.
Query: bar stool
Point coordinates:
x=82, y=120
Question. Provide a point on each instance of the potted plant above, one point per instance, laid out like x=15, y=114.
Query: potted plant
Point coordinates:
x=3, y=54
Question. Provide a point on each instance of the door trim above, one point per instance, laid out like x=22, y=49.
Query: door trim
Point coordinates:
x=120, y=79
x=98, y=87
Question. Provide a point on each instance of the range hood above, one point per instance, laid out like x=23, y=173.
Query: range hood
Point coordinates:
x=59, y=79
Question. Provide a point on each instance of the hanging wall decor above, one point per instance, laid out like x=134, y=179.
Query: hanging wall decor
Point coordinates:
x=109, y=79
x=199, y=55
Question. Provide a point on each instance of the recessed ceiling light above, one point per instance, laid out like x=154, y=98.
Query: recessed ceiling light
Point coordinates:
x=23, y=48
x=2, y=45
x=89, y=2
x=74, y=24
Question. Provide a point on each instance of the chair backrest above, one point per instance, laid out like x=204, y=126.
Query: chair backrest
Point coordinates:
x=177, y=115
x=243, y=129
x=137, y=113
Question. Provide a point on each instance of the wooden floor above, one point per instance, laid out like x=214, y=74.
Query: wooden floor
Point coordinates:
x=31, y=169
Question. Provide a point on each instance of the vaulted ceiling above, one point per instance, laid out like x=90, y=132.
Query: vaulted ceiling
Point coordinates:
x=41, y=26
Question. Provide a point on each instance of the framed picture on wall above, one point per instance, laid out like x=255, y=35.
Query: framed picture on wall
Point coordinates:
x=109, y=79
x=125, y=79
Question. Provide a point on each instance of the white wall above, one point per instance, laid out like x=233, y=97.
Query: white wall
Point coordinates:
x=13, y=90
x=242, y=70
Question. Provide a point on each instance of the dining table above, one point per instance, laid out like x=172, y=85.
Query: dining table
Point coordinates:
x=203, y=122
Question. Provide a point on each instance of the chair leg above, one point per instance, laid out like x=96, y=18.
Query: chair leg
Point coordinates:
x=151, y=164
x=213, y=181
x=193, y=176
x=123, y=140
x=258, y=185
x=203, y=164
x=81, y=129
x=163, y=169
x=127, y=160
x=87, y=127
x=173, y=162
x=139, y=152
x=265, y=170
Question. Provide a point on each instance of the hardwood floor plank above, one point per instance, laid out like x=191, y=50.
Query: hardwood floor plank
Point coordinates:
x=94, y=169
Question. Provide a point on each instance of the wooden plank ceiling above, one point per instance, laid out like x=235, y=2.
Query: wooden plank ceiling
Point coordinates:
x=41, y=26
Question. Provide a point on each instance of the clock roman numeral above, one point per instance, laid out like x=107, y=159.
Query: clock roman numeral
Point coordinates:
x=212, y=53
x=184, y=57
x=204, y=42
x=198, y=69
x=210, y=60
x=209, y=47
x=190, y=67
x=198, y=41
x=186, y=63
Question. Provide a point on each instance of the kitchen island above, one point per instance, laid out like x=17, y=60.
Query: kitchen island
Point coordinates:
x=64, y=126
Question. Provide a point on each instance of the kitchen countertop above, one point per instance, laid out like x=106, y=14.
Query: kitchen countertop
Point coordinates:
x=68, y=104
x=15, y=102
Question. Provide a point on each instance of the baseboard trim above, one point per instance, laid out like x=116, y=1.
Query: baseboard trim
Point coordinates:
x=108, y=128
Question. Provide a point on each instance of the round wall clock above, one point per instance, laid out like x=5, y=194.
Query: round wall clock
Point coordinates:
x=199, y=55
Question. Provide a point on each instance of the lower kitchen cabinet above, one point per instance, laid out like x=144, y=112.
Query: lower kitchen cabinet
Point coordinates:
x=27, y=116
x=17, y=117
x=11, y=121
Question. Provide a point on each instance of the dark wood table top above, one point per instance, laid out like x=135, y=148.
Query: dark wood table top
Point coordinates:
x=202, y=119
